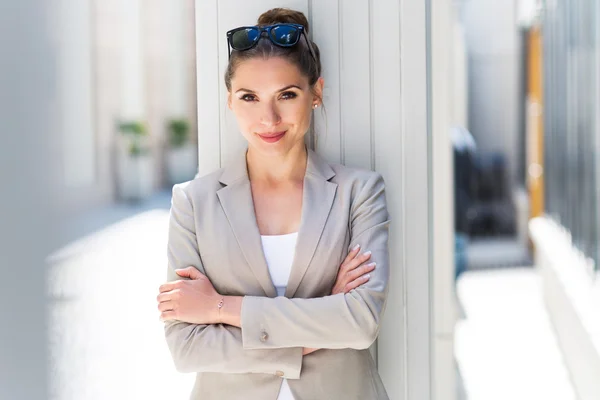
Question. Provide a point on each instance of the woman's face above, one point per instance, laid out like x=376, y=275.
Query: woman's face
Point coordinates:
x=272, y=102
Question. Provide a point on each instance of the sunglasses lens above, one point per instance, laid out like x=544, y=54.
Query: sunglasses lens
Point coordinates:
x=285, y=35
x=244, y=39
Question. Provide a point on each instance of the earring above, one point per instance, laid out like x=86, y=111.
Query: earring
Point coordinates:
x=315, y=106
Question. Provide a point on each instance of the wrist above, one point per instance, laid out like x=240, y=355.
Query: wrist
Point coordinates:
x=219, y=314
x=230, y=312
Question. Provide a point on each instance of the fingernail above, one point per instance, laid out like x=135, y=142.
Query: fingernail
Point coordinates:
x=367, y=253
x=356, y=247
x=372, y=264
x=367, y=276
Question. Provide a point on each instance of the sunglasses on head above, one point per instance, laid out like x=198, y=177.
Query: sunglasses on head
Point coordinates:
x=282, y=35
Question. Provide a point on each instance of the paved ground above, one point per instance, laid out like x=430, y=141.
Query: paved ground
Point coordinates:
x=107, y=342
x=106, y=339
x=492, y=253
x=504, y=345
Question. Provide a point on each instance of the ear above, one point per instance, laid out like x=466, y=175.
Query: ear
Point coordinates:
x=229, y=100
x=318, y=90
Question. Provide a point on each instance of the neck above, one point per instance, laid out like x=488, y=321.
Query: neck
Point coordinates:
x=290, y=166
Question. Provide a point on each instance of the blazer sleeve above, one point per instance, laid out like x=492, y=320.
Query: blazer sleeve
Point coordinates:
x=212, y=348
x=350, y=320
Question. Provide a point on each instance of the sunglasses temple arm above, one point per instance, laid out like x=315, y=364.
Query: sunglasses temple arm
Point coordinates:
x=310, y=48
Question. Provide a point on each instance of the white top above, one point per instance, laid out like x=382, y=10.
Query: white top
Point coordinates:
x=279, y=253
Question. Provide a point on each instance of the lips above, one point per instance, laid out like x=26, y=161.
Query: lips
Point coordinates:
x=272, y=137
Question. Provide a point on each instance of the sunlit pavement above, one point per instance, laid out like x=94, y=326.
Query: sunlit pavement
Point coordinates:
x=106, y=341
x=505, y=345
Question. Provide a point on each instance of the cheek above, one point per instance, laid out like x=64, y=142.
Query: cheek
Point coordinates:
x=245, y=116
x=297, y=115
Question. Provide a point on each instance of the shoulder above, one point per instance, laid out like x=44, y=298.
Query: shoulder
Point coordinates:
x=363, y=191
x=200, y=187
x=356, y=179
x=359, y=187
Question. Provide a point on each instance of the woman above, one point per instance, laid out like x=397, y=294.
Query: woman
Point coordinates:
x=263, y=300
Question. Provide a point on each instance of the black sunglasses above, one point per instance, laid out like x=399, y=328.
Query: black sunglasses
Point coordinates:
x=283, y=35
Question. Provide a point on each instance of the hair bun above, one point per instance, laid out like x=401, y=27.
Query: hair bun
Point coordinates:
x=283, y=16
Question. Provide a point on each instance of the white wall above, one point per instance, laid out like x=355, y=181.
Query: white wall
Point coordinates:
x=76, y=80
x=447, y=106
x=84, y=180
x=132, y=69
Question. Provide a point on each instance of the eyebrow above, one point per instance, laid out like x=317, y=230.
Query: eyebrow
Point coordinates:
x=280, y=90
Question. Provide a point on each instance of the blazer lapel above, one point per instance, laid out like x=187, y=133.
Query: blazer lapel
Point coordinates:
x=236, y=201
x=317, y=200
x=238, y=205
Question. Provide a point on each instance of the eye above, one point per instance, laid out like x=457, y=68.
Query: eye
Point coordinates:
x=288, y=95
x=248, y=97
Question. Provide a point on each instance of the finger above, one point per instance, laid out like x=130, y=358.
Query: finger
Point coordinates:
x=167, y=287
x=362, y=270
x=165, y=296
x=189, y=272
x=186, y=272
x=166, y=306
x=353, y=252
x=358, y=260
x=172, y=295
x=357, y=282
x=168, y=315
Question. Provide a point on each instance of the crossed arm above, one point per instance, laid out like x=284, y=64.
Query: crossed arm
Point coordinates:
x=257, y=334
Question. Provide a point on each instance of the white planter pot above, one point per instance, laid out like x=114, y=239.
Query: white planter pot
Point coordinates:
x=182, y=163
x=135, y=176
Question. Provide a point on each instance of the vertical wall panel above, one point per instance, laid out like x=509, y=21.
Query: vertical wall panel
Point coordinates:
x=177, y=71
x=132, y=84
x=416, y=220
x=207, y=78
x=441, y=194
x=326, y=33
x=76, y=79
x=355, y=74
x=388, y=158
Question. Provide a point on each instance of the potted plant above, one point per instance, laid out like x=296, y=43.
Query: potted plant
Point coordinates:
x=182, y=153
x=134, y=159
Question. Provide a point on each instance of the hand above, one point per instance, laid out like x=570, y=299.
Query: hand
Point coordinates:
x=353, y=272
x=193, y=300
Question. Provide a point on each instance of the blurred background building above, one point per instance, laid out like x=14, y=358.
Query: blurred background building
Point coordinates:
x=129, y=98
x=527, y=194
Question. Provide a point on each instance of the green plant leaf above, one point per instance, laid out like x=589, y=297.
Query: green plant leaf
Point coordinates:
x=132, y=128
x=179, y=131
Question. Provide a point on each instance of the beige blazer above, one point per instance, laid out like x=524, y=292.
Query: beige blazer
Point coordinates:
x=213, y=227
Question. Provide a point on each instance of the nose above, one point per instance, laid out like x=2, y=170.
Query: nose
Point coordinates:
x=270, y=115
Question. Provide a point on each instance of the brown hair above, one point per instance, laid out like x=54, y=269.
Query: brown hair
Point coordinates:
x=298, y=55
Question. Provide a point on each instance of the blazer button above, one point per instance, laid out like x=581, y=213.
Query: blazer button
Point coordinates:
x=264, y=336
x=279, y=373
